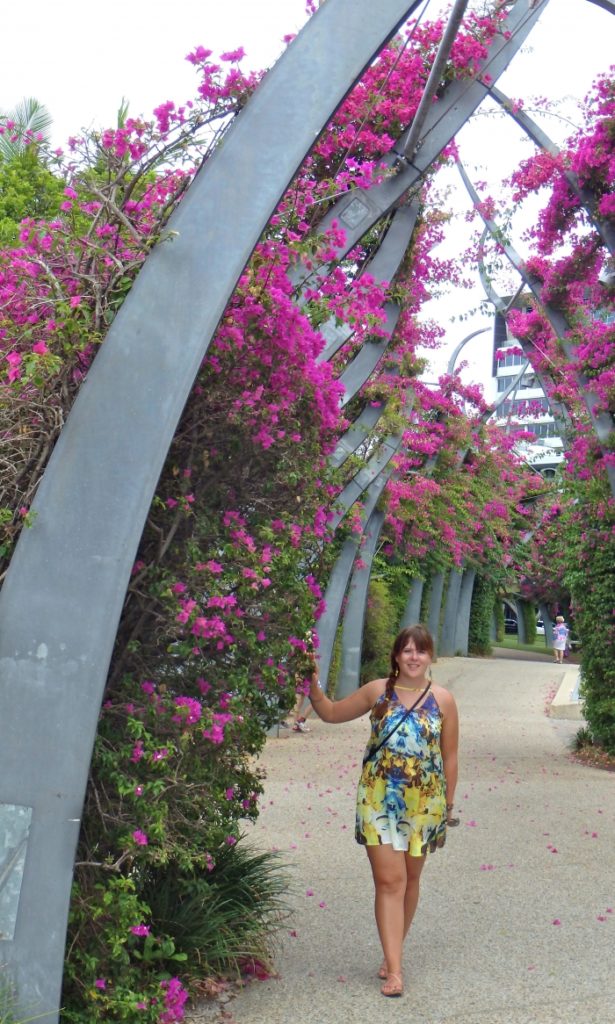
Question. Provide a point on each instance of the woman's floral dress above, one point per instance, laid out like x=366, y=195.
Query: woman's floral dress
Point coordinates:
x=401, y=797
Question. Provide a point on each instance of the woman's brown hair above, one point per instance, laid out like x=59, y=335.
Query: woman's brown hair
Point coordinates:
x=423, y=641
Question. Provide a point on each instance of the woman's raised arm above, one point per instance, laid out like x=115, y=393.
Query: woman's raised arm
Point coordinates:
x=353, y=706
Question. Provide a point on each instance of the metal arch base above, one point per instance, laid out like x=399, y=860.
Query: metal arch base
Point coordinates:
x=63, y=595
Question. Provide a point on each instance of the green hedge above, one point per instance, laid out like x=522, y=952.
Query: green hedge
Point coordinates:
x=481, y=616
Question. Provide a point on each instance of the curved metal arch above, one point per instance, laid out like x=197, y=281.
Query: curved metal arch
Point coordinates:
x=64, y=591
x=450, y=369
x=356, y=604
x=586, y=196
x=606, y=5
x=501, y=306
x=359, y=209
x=358, y=213
x=366, y=475
x=382, y=267
x=326, y=626
x=356, y=435
x=602, y=422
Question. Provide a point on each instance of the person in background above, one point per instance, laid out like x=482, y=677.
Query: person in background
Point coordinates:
x=406, y=791
x=303, y=708
x=561, y=634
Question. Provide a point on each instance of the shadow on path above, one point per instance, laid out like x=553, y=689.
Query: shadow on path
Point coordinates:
x=517, y=916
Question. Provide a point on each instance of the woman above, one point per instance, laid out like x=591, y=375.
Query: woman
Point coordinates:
x=406, y=790
x=560, y=639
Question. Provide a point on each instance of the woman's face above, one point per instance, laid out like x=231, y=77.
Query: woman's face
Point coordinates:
x=412, y=662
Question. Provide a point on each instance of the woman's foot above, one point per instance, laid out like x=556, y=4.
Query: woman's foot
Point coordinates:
x=383, y=971
x=393, y=985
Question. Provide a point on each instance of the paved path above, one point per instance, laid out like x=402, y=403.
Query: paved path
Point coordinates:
x=516, y=923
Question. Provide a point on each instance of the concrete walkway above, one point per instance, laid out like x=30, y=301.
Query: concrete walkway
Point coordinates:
x=516, y=923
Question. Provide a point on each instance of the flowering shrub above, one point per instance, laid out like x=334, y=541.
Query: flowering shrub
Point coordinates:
x=572, y=546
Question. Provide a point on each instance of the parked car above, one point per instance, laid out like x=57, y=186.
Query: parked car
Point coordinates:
x=540, y=627
x=510, y=625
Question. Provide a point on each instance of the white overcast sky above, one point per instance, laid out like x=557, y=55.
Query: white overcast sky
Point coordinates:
x=80, y=59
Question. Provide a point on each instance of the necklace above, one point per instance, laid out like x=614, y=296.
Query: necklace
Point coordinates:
x=410, y=689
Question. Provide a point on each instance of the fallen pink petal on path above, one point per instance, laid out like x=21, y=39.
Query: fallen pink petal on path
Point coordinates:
x=556, y=921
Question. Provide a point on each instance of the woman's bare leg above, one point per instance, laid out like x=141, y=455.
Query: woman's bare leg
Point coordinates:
x=389, y=872
x=414, y=867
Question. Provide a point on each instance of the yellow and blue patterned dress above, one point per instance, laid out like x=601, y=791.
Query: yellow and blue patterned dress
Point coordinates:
x=401, y=797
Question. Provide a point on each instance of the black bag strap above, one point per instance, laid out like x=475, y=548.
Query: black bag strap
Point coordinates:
x=409, y=711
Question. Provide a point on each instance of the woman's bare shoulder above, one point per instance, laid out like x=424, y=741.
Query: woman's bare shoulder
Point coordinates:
x=443, y=696
x=375, y=688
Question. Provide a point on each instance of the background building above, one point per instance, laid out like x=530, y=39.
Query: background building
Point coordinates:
x=527, y=407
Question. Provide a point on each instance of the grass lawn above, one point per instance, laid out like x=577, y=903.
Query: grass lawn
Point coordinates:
x=511, y=643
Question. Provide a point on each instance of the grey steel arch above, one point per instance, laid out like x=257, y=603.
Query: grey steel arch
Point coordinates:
x=560, y=413
x=63, y=594
x=586, y=196
x=382, y=267
x=365, y=362
x=521, y=630
x=359, y=209
x=356, y=435
x=354, y=614
x=326, y=626
x=462, y=344
x=412, y=610
x=602, y=422
x=364, y=478
x=547, y=623
x=435, y=606
x=464, y=608
x=457, y=607
x=606, y=5
x=446, y=645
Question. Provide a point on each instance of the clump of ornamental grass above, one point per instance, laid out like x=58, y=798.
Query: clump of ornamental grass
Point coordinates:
x=225, y=920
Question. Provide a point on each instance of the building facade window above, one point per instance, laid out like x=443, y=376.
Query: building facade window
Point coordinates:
x=511, y=360
x=537, y=429
x=524, y=407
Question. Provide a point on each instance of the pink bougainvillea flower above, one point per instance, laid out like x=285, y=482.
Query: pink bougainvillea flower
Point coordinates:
x=140, y=929
x=140, y=837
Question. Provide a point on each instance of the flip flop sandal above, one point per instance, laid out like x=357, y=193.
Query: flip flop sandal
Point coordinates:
x=392, y=989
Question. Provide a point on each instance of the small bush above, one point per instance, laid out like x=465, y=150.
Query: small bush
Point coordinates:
x=224, y=918
x=481, y=615
x=583, y=739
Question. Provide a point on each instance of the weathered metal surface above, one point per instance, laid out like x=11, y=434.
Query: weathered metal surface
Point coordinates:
x=64, y=591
